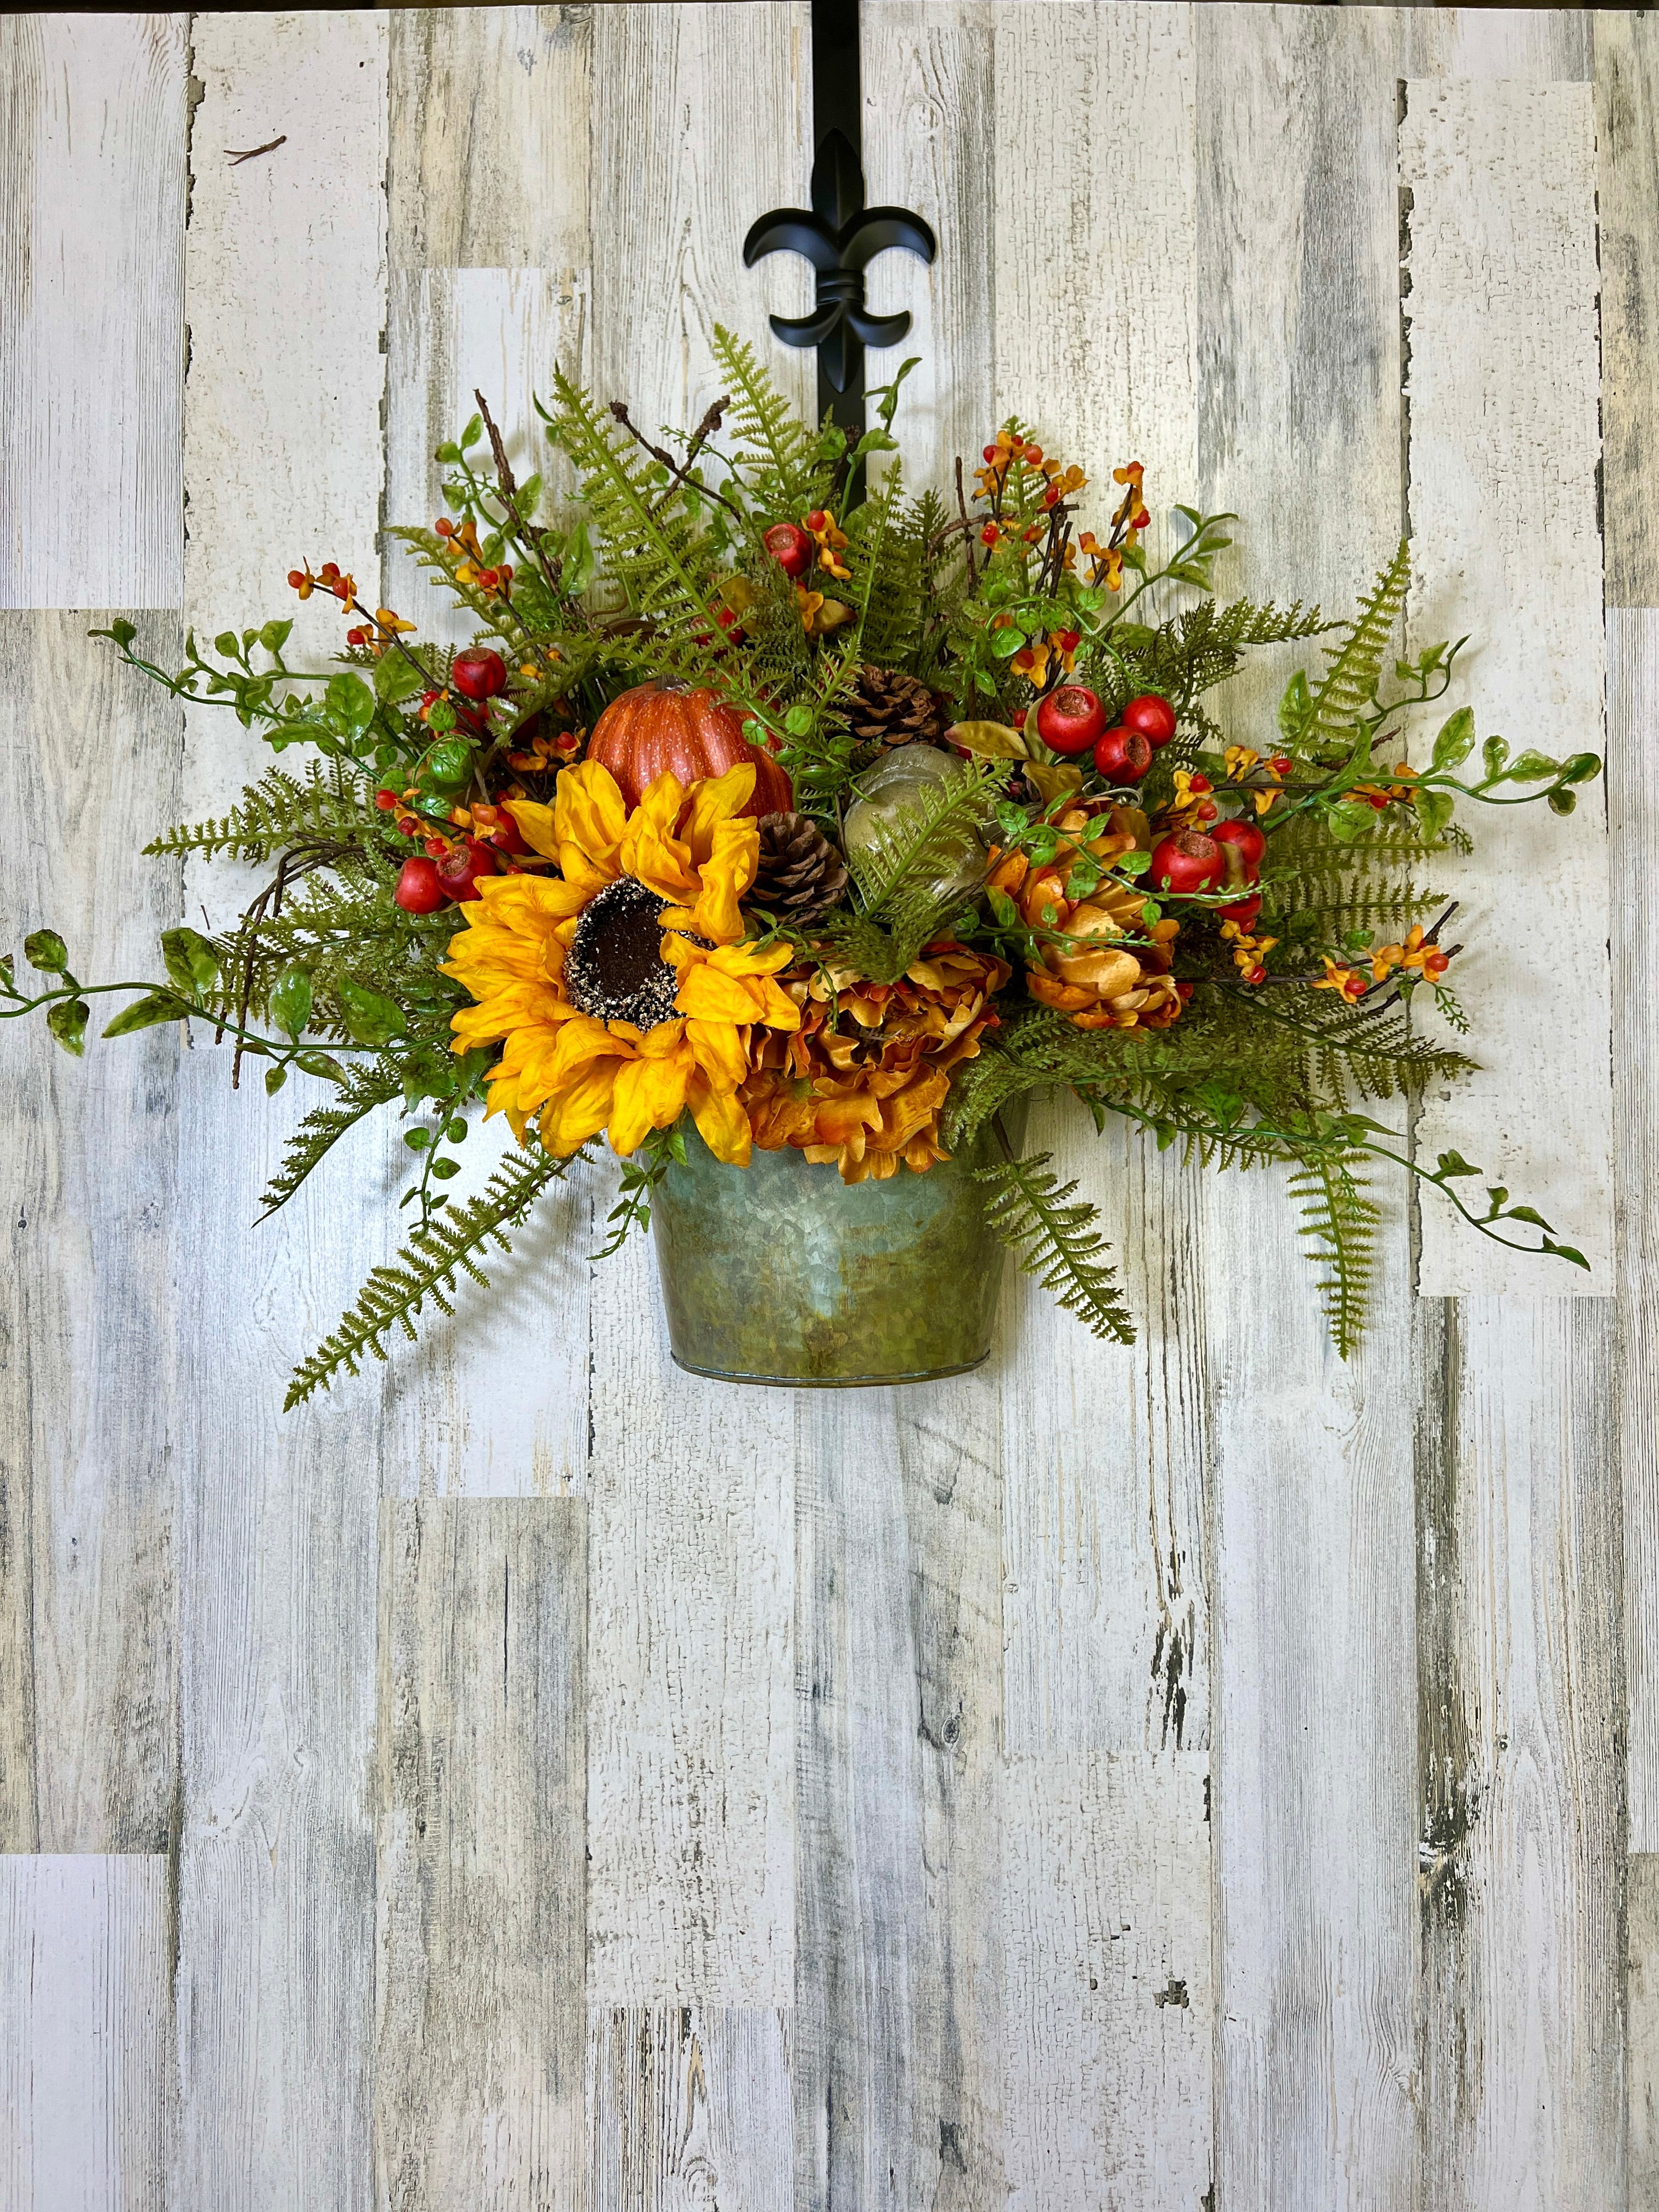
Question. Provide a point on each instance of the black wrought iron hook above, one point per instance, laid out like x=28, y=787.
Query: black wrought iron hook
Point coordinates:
x=838, y=235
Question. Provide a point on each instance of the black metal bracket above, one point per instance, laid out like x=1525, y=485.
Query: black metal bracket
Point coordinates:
x=838, y=235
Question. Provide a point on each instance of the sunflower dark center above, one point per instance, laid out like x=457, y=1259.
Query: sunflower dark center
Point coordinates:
x=615, y=969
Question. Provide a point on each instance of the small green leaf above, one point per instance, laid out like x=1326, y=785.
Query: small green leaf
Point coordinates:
x=227, y=642
x=45, y=949
x=1532, y=767
x=455, y=1130
x=275, y=1079
x=1582, y=768
x=417, y=1140
x=274, y=635
x=320, y=1063
x=472, y=433
x=290, y=1000
x=1567, y=1252
x=370, y=1017
x=67, y=1021
x=1004, y=908
x=191, y=961
x=1495, y=753
x=798, y=721
x=1456, y=740
x=349, y=705
x=1529, y=1214
x=441, y=717
x=1454, y=1164
x=396, y=679
x=122, y=632
x=1433, y=810
x=1007, y=642
x=529, y=495
x=449, y=453
x=144, y=1013
x=445, y=1169
x=448, y=765
x=1562, y=802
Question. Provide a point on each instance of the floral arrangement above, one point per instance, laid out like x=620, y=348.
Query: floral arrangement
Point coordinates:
x=807, y=815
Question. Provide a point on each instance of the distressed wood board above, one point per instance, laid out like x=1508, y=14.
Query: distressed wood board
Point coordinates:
x=1202, y=1773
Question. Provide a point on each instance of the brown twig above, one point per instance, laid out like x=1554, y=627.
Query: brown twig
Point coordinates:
x=299, y=860
x=253, y=152
x=677, y=471
x=967, y=534
x=529, y=532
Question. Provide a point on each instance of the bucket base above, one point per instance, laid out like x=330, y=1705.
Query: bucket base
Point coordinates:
x=832, y=1381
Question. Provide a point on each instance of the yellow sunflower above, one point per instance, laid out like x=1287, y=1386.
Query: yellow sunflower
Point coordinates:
x=621, y=990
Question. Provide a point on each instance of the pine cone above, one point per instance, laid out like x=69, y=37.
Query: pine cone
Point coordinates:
x=801, y=875
x=891, y=708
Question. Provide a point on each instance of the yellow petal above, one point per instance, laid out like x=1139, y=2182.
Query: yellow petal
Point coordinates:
x=581, y=1112
x=721, y=1123
x=536, y=824
x=713, y=801
x=653, y=857
x=707, y=995
x=726, y=874
x=720, y=1050
x=589, y=812
x=650, y=1094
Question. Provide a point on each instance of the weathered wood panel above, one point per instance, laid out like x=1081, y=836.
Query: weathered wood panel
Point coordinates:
x=689, y=2105
x=1503, y=443
x=85, y=2030
x=1107, y=1943
x=88, y=1725
x=1642, y=2030
x=1299, y=431
x=481, y=1958
x=276, y=1924
x=1521, y=1867
x=92, y=215
x=1632, y=727
x=898, y=2041
x=690, y=1737
x=1627, y=205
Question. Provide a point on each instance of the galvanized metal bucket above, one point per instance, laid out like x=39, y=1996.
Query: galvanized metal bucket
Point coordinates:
x=781, y=1272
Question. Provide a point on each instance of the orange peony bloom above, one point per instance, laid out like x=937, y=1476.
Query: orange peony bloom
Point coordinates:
x=863, y=1079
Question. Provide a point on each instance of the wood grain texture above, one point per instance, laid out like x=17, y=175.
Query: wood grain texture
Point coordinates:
x=899, y=2043
x=488, y=139
x=1106, y=1605
x=1543, y=45
x=690, y=1737
x=930, y=144
x=688, y=2107
x=1521, y=1867
x=1632, y=718
x=1504, y=448
x=482, y=2043
x=89, y=1719
x=1627, y=180
x=92, y=213
x=1106, y=1880
x=84, y=2033
x=275, y=1928
x=1642, y=2030
x=1312, y=1581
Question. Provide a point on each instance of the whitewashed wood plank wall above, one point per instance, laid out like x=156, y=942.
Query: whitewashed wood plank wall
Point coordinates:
x=1196, y=1776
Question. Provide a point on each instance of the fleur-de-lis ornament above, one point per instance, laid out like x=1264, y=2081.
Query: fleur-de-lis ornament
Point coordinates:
x=838, y=235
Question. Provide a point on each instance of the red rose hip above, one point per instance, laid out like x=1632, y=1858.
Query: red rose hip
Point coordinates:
x=1189, y=862
x=1071, y=719
x=790, y=547
x=419, y=890
x=1244, y=839
x=1154, y=717
x=1122, y=755
x=460, y=868
x=478, y=673
x=1244, y=912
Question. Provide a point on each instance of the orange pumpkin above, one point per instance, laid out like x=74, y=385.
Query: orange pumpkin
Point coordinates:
x=667, y=727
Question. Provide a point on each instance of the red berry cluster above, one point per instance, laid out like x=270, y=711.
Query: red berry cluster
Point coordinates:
x=1072, y=721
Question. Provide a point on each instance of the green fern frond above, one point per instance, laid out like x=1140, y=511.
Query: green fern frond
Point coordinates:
x=777, y=452
x=1052, y=1234
x=366, y=1087
x=1339, y=1223
x=279, y=810
x=427, y=1267
x=1343, y=694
